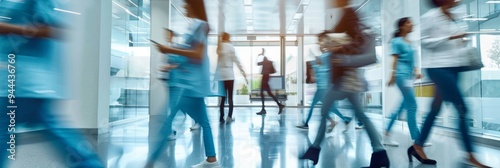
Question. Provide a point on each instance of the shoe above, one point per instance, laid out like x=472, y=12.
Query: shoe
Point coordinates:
x=262, y=112
x=389, y=142
x=195, y=126
x=427, y=144
x=281, y=107
x=221, y=120
x=411, y=152
x=305, y=126
x=379, y=159
x=206, y=164
x=229, y=119
x=474, y=163
x=172, y=137
x=312, y=154
x=360, y=126
x=349, y=119
x=330, y=127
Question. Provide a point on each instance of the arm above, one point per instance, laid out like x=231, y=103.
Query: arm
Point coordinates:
x=431, y=40
x=195, y=53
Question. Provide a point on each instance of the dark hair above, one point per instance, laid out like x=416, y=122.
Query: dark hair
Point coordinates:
x=225, y=36
x=439, y=3
x=198, y=7
x=401, y=22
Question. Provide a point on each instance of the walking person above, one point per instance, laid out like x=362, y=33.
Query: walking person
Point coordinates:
x=403, y=74
x=347, y=83
x=225, y=73
x=442, y=39
x=322, y=75
x=267, y=69
x=32, y=83
x=196, y=74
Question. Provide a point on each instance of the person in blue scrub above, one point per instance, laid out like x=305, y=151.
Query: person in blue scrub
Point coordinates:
x=30, y=41
x=322, y=77
x=195, y=75
x=404, y=71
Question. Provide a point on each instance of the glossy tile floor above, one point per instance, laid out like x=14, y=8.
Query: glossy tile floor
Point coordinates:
x=273, y=141
x=254, y=141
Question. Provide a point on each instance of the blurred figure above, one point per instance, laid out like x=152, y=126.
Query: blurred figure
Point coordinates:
x=442, y=38
x=225, y=73
x=321, y=73
x=196, y=78
x=31, y=70
x=267, y=69
x=347, y=83
x=403, y=73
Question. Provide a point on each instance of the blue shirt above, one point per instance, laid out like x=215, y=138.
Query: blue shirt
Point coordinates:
x=405, y=53
x=38, y=61
x=194, y=75
x=322, y=71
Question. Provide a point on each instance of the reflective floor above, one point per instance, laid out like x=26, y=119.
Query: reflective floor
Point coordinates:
x=274, y=141
x=264, y=141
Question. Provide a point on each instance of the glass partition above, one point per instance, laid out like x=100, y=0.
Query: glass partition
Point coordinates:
x=130, y=56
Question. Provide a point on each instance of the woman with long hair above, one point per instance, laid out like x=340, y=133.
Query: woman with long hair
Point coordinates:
x=196, y=74
x=403, y=73
x=347, y=83
x=442, y=39
x=224, y=72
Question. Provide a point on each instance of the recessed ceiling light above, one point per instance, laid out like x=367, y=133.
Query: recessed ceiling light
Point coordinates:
x=492, y=2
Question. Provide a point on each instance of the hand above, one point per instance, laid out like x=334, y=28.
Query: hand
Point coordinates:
x=418, y=76
x=163, y=49
x=167, y=68
x=392, y=81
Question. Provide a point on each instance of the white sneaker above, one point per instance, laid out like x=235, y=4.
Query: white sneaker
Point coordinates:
x=229, y=119
x=195, y=126
x=206, y=164
x=390, y=142
x=427, y=144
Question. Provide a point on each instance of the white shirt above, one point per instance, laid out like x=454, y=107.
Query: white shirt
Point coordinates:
x=437, y=50
x=227, y=57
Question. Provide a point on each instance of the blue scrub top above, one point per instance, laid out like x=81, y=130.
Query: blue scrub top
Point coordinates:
x=405, y=52
x=322, y=71
x=37, y=60
x=194, y=75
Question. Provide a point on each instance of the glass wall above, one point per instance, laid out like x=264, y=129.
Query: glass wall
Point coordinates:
x=130, y=58
x=479, y=87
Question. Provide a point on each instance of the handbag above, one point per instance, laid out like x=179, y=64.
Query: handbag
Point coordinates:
x=473, y=58
x=367, y=55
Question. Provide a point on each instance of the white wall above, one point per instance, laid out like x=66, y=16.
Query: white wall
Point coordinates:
x=87, y=64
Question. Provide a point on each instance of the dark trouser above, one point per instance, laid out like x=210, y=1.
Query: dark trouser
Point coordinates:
x=228, y=89
x=446, y=81
x=264, y=85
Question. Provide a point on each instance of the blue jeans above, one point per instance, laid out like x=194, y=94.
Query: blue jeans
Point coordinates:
x=319, y=96
x=43, y=109
x=353, y=97
x=446, y=81
x=409, y=103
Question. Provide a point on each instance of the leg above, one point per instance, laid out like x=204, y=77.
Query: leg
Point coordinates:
x=328, y=100
x=221, y=105
x=370, y=128
x=394, y=116
x=80, y=151
x=263, y=83
x=410, y=104
x=229, y=85
x=317, y=97
x=196, y=108
x=337, y=112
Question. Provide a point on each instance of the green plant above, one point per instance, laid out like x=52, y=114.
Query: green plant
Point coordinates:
x=244, y=90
